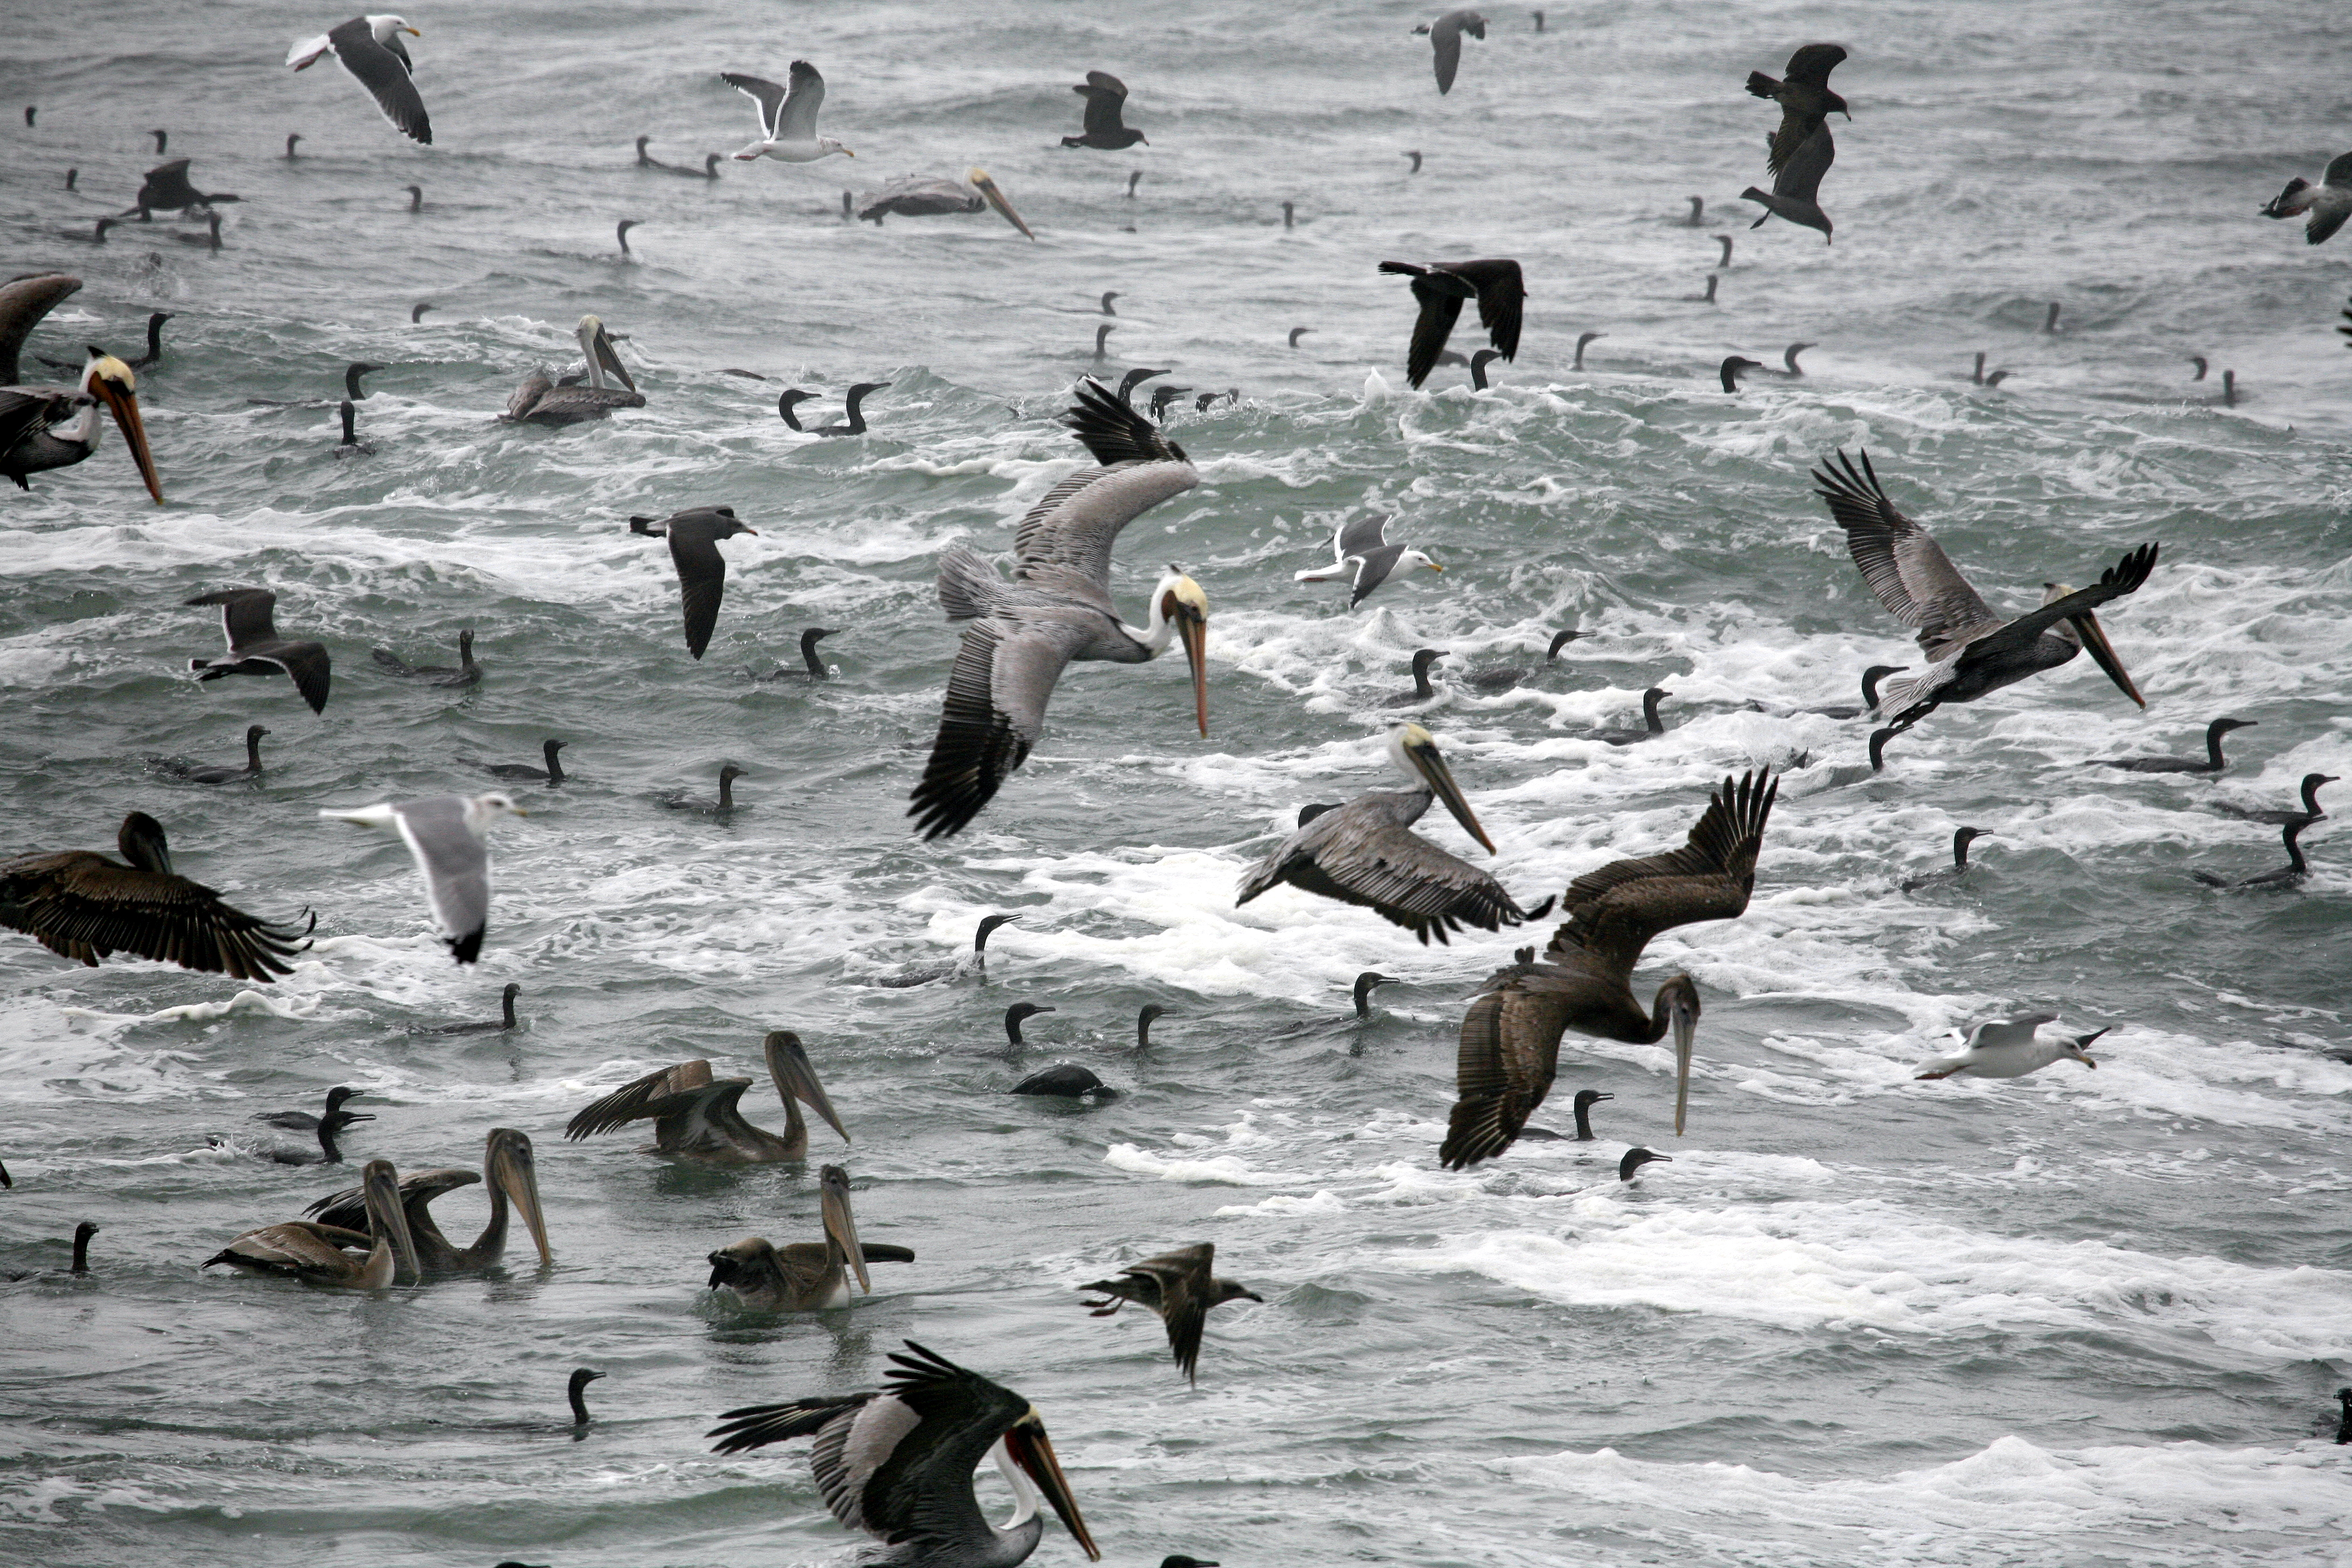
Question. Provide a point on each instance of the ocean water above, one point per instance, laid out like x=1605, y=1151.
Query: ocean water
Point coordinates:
x=2085, y=1318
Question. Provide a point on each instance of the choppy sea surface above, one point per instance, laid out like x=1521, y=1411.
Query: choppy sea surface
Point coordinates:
x=2083, y=1318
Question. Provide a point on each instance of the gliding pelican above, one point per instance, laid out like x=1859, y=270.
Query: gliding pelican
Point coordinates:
x=807, y=1276
x=45, y=428
x=919, y=195
x=896, y=1462
x=540, y=400
x=1971, y=651
x=510, y=1172
x=322, y=1254
x=697, y=1116
x=1020, y=636
x=1510, y=1036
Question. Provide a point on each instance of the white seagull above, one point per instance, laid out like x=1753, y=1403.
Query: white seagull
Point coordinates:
x=2006, y=1048
x=1362, y=553
x=449, y=835
x=369, y=48
x=787, y=119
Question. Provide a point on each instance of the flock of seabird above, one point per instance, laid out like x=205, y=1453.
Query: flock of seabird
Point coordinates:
x=896, y=1462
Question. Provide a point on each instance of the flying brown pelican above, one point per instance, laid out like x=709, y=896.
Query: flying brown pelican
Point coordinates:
x=1795, y=189
x=932, y=195
x=549, y=776
x=1181, y=1288
x=498, y=1025
x=325, y=1253
x=1651, y=725
x=787, y=116
x=1805, y=100
x=166, y=190
x=542, y=401
x=807, y=1276
x=2329, y=203
x=924, y=973
x=2006, y=1048
x=1510, y=1036
x=248, y=624
x=196, y=773
x=370, y=49
x=1106, y=97
x=466, y=672
x=449, y=836
x=697, y=1116
x=2296, y=869
x=508, y=1174
x=81, y=905
x=1445, y=43
x=2212, y=762
x=694, y=537
x=896, y=1462
x=1971, y=651
x=1362, y=554
x=303, y=1120
x=2310, y=812
x=1366, y=853
x=1441, y=287
x=1018, y=635
x=46, y=427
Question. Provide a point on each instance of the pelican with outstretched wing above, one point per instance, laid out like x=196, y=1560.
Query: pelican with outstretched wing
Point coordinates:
x=1020, y=636
x=1584, y=980
x=700, y=1118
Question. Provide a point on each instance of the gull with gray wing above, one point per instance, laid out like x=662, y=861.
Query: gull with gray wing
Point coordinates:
x=449, y=836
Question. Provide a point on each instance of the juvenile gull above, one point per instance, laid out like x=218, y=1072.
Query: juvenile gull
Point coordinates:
x=1106, y=97
x=1805, y=100
x=1441, y=287
x=256, y=648
x=1180, y=1286
x=448, y=834
x=787, y=116
x=694, y=537
x=370, y=49
x=1445, y=43
x=1362, y=553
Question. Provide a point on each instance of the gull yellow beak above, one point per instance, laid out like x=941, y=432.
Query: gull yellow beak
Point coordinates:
x=413, y=32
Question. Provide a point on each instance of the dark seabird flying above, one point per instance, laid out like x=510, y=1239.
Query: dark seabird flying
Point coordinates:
x=698, y=1117
x=2212, y=762
x=448, y=836
x=1181, y=1288
x=1795, y=189
x=166, y=189
x=1106, y=97
x=1441, y=287
x=2296, y=869
x=2310, y=812
x=549, y=776
x=82, y=906
x=1971, y=651
x=931, y=196
x=1958, y=870
x=2329, y=203
x=1510, y=1036
x=368, y=47
x=1805, y=100
x=466, y=673
x=896, y=1463
x=256, y=648
x=1362, y=553
x=172, y=767
x=694, y=537
x=1445, y=43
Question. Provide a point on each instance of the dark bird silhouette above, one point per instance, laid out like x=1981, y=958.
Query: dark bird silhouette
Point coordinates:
x=304, y=1120
x=1416, y=162
x=1365, y=984
x=166, y=189
x=1014, y=1014
x=1958, y=870
x=498, y=1025
x=1707, y=298
x=210, y=238
x=924, y=973
x=1298, y=332
x=416, y=201
x=1445, y=43
x=812, y=667
x=1631, y=1165
x=2310, y=812
x=1106, y=97
x=1479, y=363
x=1102, y=353
x=856, y=424
x=175, y=767
x=256, y=648
x=1733, y=368
x=2050, y=322
x=620, y=233
x=2329, y=203
x=678, y=800
x=1441, y=287
x=329, y=1132
x=1181, y=1288
x=1583, y=339
x=1143, y=1024
x=1510, y=1036
x=549, y=776
x=1502, y=678
x=1870, y=679
x=694, y=535
x=2343, y=1419
x=291, y=140
x=2212, y=762
x=416, y=312
x=1422, y=690
x=1064, y=1080
x=1805, y=100
x=2296, y=869
x=1651, y=725
x=465, y=673
x=1795, y=189
x=351, y=445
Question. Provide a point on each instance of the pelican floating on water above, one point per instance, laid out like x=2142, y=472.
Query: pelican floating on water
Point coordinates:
x=508, y=1172
x=1020, y=636
x=1180, y=1286
x=1510, y=1036
x=46, y=428
x=330, y=1254
x=1362, y=554
x=896, y=1462
x=370, y=49
x=1366, y=853
x=81, y=905
x=787, y=116
x=542, y=401
x=933, y=196
x=807, y=1276
x=698, y=1117
x=1971, y=651
x=2007, y=1048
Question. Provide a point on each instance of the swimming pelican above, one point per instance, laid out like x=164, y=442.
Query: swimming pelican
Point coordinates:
x=1958, y=870
x=540, y=400
x=46, y=427
x=2006, y=1048
x=1971, y=651
x=931, y=195
x=1441, y=287
x=1366, y=853
x=697, y=1116
x=448, y=834
x=1362, y=553
x=1510, y=1036
x=83, y=905
x=508, y=1172
x=322, y=1254
x=2296, y=869
x=1018, y=635
x=2212, y=762
x=2310, y=812
x=370, y=49
x=896, y=1462
x=2329, y=203
x=787, y=116
x=1180, y=1286
x=807, y=1276
x=1445, y=43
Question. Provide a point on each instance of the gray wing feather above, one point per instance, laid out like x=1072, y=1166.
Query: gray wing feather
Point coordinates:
x=383, y=69
x=796, y=120
x=761, y=91
x=1902, y=562
x=1366, y=854
x=456, y=864
x=1358, y=534
x=1064, y=544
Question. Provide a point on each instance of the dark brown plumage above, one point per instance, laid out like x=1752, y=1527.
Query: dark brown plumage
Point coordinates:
x=1804, y=96
x=1441, y=287
x=1106, y=97
x=1178, y=1286
x=694, y=537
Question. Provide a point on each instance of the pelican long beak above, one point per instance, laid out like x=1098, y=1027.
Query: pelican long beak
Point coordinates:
x=596, y=344
x=2103, y=654
x=1423, y=756
x=1685, y=1023
x=1030, y=1449
x=515, y=1171
x=1185, y=608
x=123, y=404
x=840, y=1226
x=380, y=1187
x=995, y=199
x=789, y=1065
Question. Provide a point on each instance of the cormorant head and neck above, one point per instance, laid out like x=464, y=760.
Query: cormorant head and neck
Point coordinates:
x=2214, y=733
x=1143, y=1024
x=2295, y=864
x=1013, y=1016
x=786, y=402
x=1414, y=752
x=1870, y=679
x=331, y=1127
x=988, y=924
x=1962, y=839
x=1978, y=376
x=1734, y=368
x=809, y=639
x=1650, y=700
x=1364, y=983
x=506, y=1004
x=1479, y=363
x=253, y=733
x=82, y=1232
x=1421, y=659
x=727, y=777
x=1586, y=1098
x=581, y=1378
x=555, y=764
x=2310, y=783
x=1560, y=640
x=1637, y=1158
x=1878, y=739
x=350, y=415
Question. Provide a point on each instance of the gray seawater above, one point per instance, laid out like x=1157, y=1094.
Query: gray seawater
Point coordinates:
x=2083, y=1318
